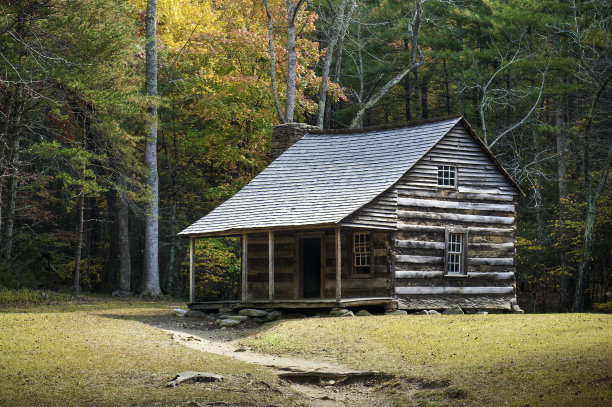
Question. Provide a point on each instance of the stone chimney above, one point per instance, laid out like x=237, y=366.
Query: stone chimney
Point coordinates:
x=286, y=135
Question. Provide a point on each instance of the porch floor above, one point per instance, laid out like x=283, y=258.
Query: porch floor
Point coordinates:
x=301, y=303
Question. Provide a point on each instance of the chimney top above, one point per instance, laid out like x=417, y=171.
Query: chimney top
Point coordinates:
x=287, y=134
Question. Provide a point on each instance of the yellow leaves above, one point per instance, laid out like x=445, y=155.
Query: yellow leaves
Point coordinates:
x=178, y=21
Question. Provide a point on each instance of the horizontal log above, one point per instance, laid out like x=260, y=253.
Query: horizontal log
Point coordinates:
x=492, y=275
x=492, y=246
x=491, y=191
x=432, y=203
x=420, y=228
x=408, y=227
x=418, y=244
x=417, y=274
x=471, y=275
x=418, y=302
x=474, y=230
x=491, y=261
x=453, y=290
x=403, y=258
x=458, y=217
x=435, y=193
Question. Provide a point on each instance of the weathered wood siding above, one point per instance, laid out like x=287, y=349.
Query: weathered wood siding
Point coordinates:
x=483, y=204
x=284, y=258
x=287, y=266
x=376, y=284
x=381, y=213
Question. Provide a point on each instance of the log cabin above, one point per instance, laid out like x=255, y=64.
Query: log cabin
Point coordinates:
x=412, y=216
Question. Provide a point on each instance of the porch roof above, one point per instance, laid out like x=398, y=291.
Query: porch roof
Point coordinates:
x=323, y=178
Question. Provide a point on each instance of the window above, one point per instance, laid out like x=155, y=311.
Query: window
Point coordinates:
x=447, y=176
x=455, y=253
x=361, y=253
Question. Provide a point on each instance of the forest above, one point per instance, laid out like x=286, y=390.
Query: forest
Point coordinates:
x=124, y=121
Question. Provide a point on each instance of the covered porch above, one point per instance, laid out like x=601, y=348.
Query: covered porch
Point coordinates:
x=307, y=268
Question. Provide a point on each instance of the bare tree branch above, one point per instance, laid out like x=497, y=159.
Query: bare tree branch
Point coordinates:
x=414, y=29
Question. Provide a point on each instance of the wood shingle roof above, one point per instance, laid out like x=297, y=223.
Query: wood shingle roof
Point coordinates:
x=322, y=179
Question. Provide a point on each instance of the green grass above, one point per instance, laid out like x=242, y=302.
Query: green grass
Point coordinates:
x=101, y=351
x=493, y=360
x=98, y=353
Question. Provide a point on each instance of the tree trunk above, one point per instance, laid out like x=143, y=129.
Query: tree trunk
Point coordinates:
x=125, y=263
x=11, y=207
x=592, y=198
x=273, y=63
x=417, y=96
x=291, y=61
x=447, y=96
x=76, y=287
x=407, y=90
x=10, y=218
x=424, y=106
x=6, y=117
x=561, y=138
x=150, y=280
x=109, y=280
x=336, y=38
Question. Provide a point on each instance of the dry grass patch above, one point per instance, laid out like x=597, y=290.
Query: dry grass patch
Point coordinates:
x=106, y=357
x=514, y=360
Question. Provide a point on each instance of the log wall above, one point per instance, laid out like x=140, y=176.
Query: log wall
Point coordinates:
x=287, y=265
x=483, y=204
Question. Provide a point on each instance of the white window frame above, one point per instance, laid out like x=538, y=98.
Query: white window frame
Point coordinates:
x=455, y=251
x=447, y=176
x=362, y=252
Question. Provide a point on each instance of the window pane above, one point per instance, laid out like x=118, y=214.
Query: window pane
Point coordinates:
x=447, y=175
x=454, y=253
x=361, y=250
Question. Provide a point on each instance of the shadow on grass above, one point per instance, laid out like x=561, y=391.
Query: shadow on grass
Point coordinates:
x=62, y=302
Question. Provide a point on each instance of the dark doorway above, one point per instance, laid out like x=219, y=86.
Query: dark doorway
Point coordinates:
x=311, y=267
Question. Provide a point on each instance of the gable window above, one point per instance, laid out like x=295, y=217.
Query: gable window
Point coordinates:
x=455, y=253
x=361, y=253
x=447, y=176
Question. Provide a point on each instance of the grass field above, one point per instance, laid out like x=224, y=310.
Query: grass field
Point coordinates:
x=95, y=352
x=493, y=360
x=98, y=352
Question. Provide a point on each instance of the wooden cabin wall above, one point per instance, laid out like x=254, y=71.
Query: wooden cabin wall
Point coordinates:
x=284, y=255
x=285, y=267
x=483, y=203
x=377, y=284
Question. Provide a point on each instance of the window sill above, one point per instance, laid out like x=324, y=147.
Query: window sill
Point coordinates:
x=450, y=187
x=457, y=275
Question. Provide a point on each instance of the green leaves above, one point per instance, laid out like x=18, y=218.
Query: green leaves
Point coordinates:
x=72, y=167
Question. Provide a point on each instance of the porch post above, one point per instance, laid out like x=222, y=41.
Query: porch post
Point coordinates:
x=271, y=265
x=338, y=266
x=191, y=269
x=245, y=255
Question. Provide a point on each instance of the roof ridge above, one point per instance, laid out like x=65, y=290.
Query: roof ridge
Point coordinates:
x=385, y=126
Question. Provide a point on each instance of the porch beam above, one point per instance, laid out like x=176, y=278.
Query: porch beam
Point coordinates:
x=271, y=265
x=244, y=256
x=191, y=269
x=338, y=266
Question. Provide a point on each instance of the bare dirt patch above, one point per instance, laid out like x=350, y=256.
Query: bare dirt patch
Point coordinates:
x=306, y=381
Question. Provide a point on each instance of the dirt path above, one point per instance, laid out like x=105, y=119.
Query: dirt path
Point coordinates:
x=311, y=389
x=226, y=343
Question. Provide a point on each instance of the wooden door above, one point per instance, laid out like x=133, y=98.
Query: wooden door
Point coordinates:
x=311, y=267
